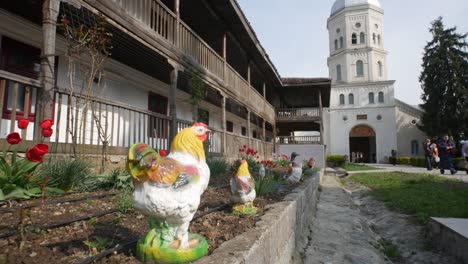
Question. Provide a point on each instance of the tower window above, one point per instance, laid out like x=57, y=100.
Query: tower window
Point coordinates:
x=353, y=38
x=381, y=97
x=351, y=98
x=342, y=102
x=378, y=39
x=371, y=98
x=336, y=44
x=362, y=38
x=338, y=72
x=380, y=68
x=341, y=42
x=373, y=38
x=359, y=68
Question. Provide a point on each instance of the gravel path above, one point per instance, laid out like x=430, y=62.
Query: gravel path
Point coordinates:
x=340, y=235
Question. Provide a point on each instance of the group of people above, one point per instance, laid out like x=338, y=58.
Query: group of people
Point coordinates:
x=357, y=157
x=440, y=153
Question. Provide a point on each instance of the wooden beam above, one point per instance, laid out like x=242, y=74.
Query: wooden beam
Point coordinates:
x=223, y=124
x=172, y=103
x=50, y=11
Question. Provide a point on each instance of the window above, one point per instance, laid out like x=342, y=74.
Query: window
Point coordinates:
x=229, y=126
x=381, y=97
x=351, y=98
x=254, y=133
x=373, y=38
x=361, y=117
x=359, y=68
x=338, y=72
x=158, y=127
x=336, y=44
x=353, y=38
x=380, y=65
x=358, y=25
x=342, y=102
x=338, y=31
x=20, y=58
x=362, y=38
x=244, y=131
x=371, y=98
x=204, y=116
x=414, y=148
x=378, y=39
x=341, y=42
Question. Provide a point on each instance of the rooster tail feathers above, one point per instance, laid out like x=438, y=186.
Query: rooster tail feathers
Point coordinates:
x=140, y=157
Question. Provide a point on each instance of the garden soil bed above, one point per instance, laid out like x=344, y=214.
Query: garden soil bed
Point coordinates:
x=67, y=244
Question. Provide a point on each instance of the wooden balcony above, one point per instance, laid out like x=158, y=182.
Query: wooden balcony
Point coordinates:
x=298, y=114
x=154, y=16
x=302, y=140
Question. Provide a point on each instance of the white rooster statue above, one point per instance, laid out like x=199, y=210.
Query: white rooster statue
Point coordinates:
x=168, y=190
x=243, y=190
x=295, y=170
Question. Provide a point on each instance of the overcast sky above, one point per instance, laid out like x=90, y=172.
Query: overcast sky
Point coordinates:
x=294, y=34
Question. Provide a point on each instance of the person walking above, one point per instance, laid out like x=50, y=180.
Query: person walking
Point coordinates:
x=446, y=147
x=394, y=157
x=428, y=152
x=465, y=153
x=435, y=155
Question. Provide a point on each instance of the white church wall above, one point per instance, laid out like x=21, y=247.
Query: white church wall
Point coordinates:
x=407, y=132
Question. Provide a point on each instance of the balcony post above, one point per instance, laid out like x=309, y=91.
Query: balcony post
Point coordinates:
x=264, y=90
x=225, y=56
x=264, y=130
x=172, y=101
x=321, y=117
x=177, y=28
x=248, y=74
x=248, y=125
x=223, y=124
x=50, y=10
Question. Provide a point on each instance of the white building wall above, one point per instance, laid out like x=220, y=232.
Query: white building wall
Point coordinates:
x=408, y=132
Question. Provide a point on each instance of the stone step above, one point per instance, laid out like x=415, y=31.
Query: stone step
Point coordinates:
x=450, y=235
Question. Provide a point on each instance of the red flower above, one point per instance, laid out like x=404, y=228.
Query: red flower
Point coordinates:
x=241, y=150
x=47, y=123
x=162, y=153
x=245, y=146
x=47, y=132
x=23, y=123
x=13, y=138
x=37, y=152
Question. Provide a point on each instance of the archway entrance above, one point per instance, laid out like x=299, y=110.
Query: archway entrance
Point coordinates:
x=362, y=140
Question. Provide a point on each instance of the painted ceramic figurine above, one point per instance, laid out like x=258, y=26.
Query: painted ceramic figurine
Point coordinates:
x=295, y=170
x=243, y=191
x=168, y=190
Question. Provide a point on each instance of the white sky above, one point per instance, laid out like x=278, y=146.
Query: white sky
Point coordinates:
x=294, y=34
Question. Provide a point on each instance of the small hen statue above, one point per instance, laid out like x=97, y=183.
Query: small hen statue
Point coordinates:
x=295, y=170
x=168, y=190
x=243, y=191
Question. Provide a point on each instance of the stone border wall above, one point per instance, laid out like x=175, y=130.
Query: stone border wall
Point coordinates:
x=281, y=235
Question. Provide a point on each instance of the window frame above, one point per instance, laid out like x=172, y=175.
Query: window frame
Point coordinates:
x=359, y=68
x=371, y=98
x=342, y=99
x=354, y=39
x=162, y=128
x=362, y=38
x=229, y=126
x=381, y=97
x=351, y=99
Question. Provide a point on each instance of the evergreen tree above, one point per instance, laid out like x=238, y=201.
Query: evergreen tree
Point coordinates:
x=444, y=81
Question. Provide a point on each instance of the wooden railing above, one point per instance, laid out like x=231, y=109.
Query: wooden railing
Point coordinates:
x=83, y=121
x=235, y=142
x=298, y=113
x=298, y=140
x=155, y=15
x=194, y=46
x=21, y=93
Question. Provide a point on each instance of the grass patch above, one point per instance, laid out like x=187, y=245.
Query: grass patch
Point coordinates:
x=421, y=195
x=358, y=167
x=389, y=249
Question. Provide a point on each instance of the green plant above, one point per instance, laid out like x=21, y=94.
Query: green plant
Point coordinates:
x=65, y=174
x=336, y=160
x=17, y=179
x=125, y=202
x=93, y=221
x=98, y=244
x=269, y=184
x=117, y=179
x=389, y=249
x=218, y=168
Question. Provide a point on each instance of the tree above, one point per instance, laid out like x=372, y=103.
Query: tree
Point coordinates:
x=444, y=81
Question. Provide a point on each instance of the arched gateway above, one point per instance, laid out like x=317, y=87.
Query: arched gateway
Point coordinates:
x=362, y=140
